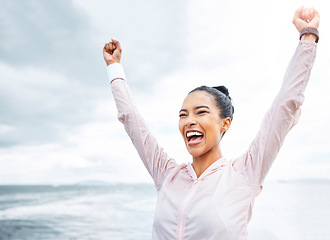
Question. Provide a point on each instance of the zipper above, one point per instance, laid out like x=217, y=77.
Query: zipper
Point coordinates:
x=182, y=211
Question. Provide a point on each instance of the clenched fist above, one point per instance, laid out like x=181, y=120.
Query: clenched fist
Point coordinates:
x=306, y=17
x=112, y=52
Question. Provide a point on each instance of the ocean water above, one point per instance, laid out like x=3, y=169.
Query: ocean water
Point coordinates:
x=292, y=210
x=76, y=212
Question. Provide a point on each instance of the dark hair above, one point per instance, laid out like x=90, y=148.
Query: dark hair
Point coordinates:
x=222, y=99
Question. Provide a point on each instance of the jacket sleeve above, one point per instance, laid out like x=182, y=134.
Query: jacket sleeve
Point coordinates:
x=283, y=114
x=157, y=162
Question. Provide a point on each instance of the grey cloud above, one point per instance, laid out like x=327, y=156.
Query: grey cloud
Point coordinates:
x=43, y=114
x=40, y=32
x=48, y=36
x=57, y=36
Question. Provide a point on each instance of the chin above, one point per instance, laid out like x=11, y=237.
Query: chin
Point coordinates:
x=196, y=152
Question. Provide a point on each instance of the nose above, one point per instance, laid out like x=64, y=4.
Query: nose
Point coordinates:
x=190, y=120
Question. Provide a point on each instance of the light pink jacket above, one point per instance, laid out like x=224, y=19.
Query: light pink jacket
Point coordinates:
x=218, y=204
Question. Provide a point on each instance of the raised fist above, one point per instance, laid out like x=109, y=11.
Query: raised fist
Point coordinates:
x=112, y=52
x=306, y=17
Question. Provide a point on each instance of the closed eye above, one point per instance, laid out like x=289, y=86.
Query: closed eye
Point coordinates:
x=182, y=115
x=201, y=112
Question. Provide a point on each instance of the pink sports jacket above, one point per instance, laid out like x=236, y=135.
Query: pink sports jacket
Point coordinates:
x=218, y=204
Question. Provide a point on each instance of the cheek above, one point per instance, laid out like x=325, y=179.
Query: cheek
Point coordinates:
x=181, y=127
x=213, y=138
x=212, y=130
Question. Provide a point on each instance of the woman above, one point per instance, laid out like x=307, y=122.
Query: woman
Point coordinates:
x=212, y=197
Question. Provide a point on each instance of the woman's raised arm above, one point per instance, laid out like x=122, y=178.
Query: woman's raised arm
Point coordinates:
x=157, y=162
x=285, y=110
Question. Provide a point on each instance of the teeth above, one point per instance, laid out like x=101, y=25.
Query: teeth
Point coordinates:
x=189, y=134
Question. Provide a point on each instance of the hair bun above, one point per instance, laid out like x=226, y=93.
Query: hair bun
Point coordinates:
x=223, y=89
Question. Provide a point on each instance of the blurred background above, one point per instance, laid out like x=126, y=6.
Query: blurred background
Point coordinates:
x=58, y=120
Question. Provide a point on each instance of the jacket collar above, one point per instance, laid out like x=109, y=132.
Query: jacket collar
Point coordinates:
x=217, y=165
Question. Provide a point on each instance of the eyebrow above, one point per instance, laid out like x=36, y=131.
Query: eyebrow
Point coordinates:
x=198, y=107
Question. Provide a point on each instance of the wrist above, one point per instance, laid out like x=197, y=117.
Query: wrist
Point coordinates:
x=309, y=33
x=309, y=37
x=109, y=62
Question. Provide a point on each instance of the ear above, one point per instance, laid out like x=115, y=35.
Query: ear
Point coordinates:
x=225, y=124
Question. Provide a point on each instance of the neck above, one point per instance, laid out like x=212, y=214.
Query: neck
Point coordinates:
x=201, y=163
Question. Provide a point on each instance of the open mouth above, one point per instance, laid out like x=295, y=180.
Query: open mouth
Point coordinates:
x=194, y=137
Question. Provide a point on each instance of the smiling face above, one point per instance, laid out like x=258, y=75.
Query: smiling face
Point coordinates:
x=201, y=126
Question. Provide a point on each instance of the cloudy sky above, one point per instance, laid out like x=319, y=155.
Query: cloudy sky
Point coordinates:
x=57, y=116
